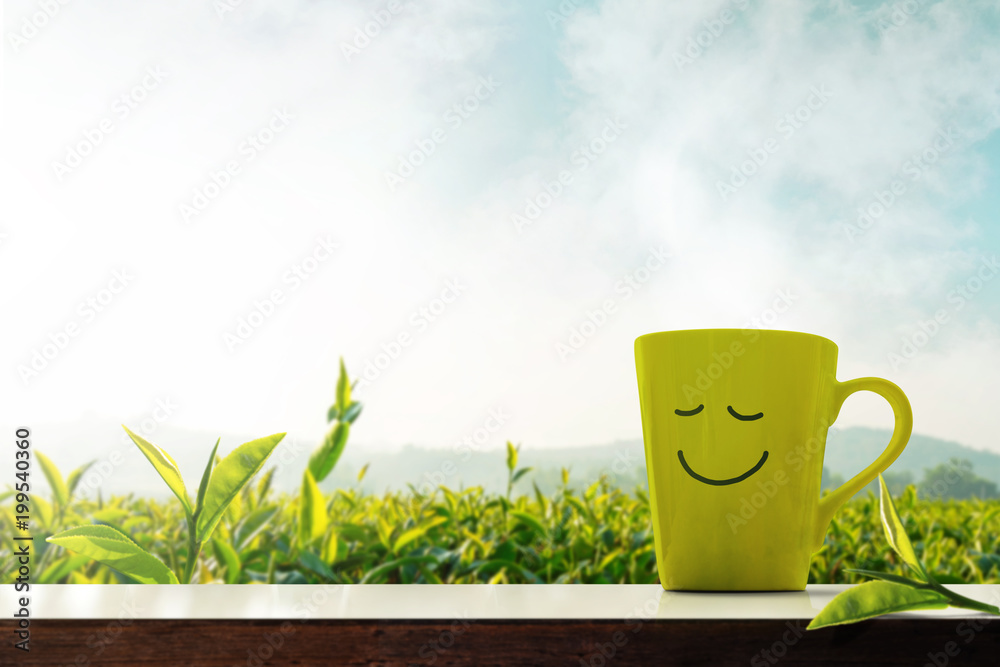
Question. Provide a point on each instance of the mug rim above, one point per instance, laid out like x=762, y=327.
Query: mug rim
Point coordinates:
x=732, y=329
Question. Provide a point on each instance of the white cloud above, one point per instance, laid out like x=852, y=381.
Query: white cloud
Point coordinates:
x=656, y=183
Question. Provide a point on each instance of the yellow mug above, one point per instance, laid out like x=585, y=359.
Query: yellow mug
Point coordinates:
x=734, y=423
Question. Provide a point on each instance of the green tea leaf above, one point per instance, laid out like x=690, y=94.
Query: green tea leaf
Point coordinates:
x=351, y=413
x=529, y=521
x=329, y=550
x=364, y=469
x=343, y=389
x=511, y=456
x=229, y=477
x=110, y=547
x=314, y=563
x=62, y=568
x=377, y=573
x=203, y=486
x=416, y=533
x=895, y=532
x=164, y=465
x=886, y=576
x=520, y=473
x=43, y=510
x=228, y=557
x=874, y=598
x=251, y=526
x=332, y=413
x=325, y=457
x=75, y=476
x=60, y=492
x=313, y=518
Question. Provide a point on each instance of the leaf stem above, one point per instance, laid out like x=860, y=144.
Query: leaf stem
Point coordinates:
x=194, y=549
x=957, y=600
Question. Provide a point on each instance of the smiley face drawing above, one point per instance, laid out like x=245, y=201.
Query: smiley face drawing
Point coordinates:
x=709, y=480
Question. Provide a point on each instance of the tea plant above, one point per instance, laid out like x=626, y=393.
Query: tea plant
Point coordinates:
x=239, y=530
x=892, y=593
x=220, y=484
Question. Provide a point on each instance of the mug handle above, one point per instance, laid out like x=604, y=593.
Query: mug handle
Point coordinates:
x=832, y=501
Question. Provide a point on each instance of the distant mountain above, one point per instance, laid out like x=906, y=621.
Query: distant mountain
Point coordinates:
x=122, y=469
x=849, y=450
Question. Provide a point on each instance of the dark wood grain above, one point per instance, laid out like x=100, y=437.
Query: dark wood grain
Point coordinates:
x=507, y=642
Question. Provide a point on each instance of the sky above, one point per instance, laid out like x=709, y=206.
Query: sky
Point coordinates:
x=207, y=204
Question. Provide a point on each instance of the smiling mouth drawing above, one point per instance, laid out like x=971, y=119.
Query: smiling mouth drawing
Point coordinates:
x=720, y=482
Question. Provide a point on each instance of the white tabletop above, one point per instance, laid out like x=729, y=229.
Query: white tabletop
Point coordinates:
x=442, y=602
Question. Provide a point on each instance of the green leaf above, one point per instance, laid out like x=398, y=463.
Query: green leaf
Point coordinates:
x=60, y=492
x=351, y=413
x=895, y=532
x=364, y=469
x=203, y=486
x=164, y=465
x=529, y=521
x=326, y=455
x=314, y=563
x=875, y=598
x=343, y=389
x=377, y=573
x=332, y=413
x=416, y=533
x=62, y=568
x=886, y=576
x=227, y=556
x=329, y=550
x=511, y=456
x=110, y=547
x=251, y=526
x=231, y=475
x=520, y=473
x=497, y=563
x=75, y=476
x=565, y=476
x=313, y=518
